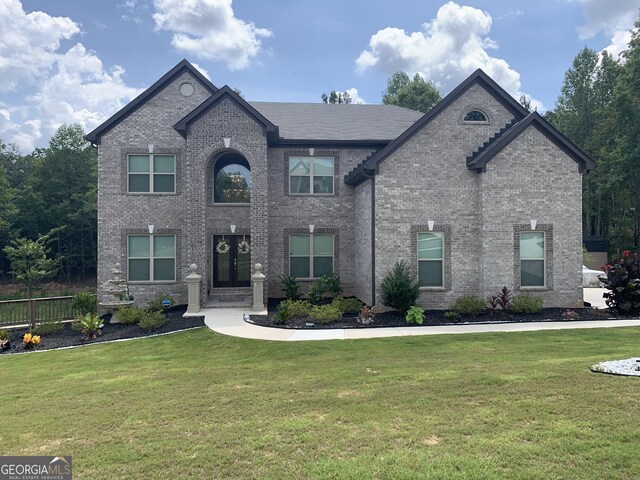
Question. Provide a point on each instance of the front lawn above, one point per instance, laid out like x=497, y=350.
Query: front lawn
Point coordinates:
x=201, y=405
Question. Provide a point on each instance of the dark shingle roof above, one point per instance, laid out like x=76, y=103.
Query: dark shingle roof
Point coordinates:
x=351, y=122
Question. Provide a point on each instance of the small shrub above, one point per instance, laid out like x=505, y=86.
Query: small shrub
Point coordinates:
x=299, y=308
x=4, y=335
x=131, y=315
x=152, y=321
x=468, y=305
x=325, y=314
x=526, y=303
x=623, y=280
x=452, y=315
x=347, y=305
x=291, y=287
x=570, y=315
x=283, y=314
x=30, y=341
x=415, y=315
x=48, y=328
x=399, y=289
x=317, y=291
x=155, y=304
x=367, y=315
x=333, y=284
x=90, y=326
x=502, y=300
x=85, y=303
x=4, y=340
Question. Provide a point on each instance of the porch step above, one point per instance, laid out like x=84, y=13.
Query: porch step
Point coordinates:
x=229, y=297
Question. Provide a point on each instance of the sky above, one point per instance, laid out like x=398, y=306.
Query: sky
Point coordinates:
x=79, y=61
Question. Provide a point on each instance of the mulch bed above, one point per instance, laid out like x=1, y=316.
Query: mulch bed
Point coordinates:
x=436, y=317
x=68, y=337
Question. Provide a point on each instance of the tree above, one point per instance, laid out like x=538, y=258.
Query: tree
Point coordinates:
x=8, y=212
x=416, y=94
x=526, y=103
x=336, y=97
x=30, y=264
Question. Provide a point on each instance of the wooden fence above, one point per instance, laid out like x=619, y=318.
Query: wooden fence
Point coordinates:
x=46, y=309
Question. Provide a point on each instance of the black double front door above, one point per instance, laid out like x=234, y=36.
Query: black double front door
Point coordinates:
x=231, y=261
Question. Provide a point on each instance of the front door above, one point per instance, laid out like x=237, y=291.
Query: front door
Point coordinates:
x=231, y=261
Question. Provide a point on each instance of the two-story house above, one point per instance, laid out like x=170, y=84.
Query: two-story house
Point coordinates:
x=476, y=194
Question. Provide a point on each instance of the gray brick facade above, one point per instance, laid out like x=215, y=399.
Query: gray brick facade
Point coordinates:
x=480, y=213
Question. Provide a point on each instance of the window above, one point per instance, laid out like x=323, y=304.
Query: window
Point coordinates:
x=152, y=258
x=232, y=179
x=532, y=259
x=309, y=175
x=475, y=116
x=430, y=259
x=310, y=256
x=152, y=173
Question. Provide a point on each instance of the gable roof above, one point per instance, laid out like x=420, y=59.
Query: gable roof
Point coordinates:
x=315, y=122
x=478, y=160
x=183, y=125
x=96, y=135
x=363, y=171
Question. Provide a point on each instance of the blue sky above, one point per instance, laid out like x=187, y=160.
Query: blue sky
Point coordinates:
x=80, y=61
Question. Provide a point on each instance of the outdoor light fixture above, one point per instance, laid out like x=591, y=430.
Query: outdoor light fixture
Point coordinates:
x=227, y=142
x=311, y=150
x=233, y=228
x=533, y=224
x=150, y=148
x=430, y=224
x=150, y=228
x=311, y=227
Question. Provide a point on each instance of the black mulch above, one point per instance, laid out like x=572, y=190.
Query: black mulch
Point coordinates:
x=436, y=317
x=68, y=337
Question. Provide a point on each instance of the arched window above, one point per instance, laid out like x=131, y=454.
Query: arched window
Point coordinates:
x=476, y=116
x=231, y=179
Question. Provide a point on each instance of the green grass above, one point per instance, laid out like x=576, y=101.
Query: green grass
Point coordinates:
x=201, y=405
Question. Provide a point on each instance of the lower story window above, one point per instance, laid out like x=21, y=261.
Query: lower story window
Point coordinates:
x=310, y=255
x=532, y=259
x=152, y=258
x=430, y=259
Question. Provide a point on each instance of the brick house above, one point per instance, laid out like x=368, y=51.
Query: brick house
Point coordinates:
x=475, y=194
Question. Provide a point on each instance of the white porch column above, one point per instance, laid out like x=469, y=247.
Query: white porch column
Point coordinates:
x=193, y=290
x=257, y=282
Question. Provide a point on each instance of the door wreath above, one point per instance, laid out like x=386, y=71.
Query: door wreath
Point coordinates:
x=223, y=247
x=244, y=247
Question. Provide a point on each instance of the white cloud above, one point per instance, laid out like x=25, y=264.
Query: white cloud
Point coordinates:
x=613, y=18
x=355, y=97
x=208, y=29
x=66, y=87
x=446, y=51
x=201, y=70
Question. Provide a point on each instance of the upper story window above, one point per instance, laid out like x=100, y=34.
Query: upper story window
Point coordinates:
x=151, y=173
x=476, y=116
x=232, y=179
x=431, y=259
x=310, y=175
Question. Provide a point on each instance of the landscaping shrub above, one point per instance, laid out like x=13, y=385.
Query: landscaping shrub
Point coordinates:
x=452, y=315
x=415, y=315
x=333, y=284
x=283, y=314
x=4, y=340
x=84, y=303
x=623, y=281
x=323, y=285
x=468, y=305
x=570, y=315
x=526, y=303
x=31, y=342
x=90, y=325
x=367, y=315
x=347, y=305
x=152, y=321
x=291, y=287
x=4, y=335
x=399, y=289
x=299, y=308
x=325, y=314
x=131, y=315
x=47, y=328
x=502, y=300
x=155, y=305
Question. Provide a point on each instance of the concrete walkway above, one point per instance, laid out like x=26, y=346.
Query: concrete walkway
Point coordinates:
x=230, y=321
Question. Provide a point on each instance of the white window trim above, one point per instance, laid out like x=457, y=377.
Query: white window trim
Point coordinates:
x=151, y=258
x=311, y=175
x=311, y=256
x=151, y=173
x=441, y=259
x=544, y=261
